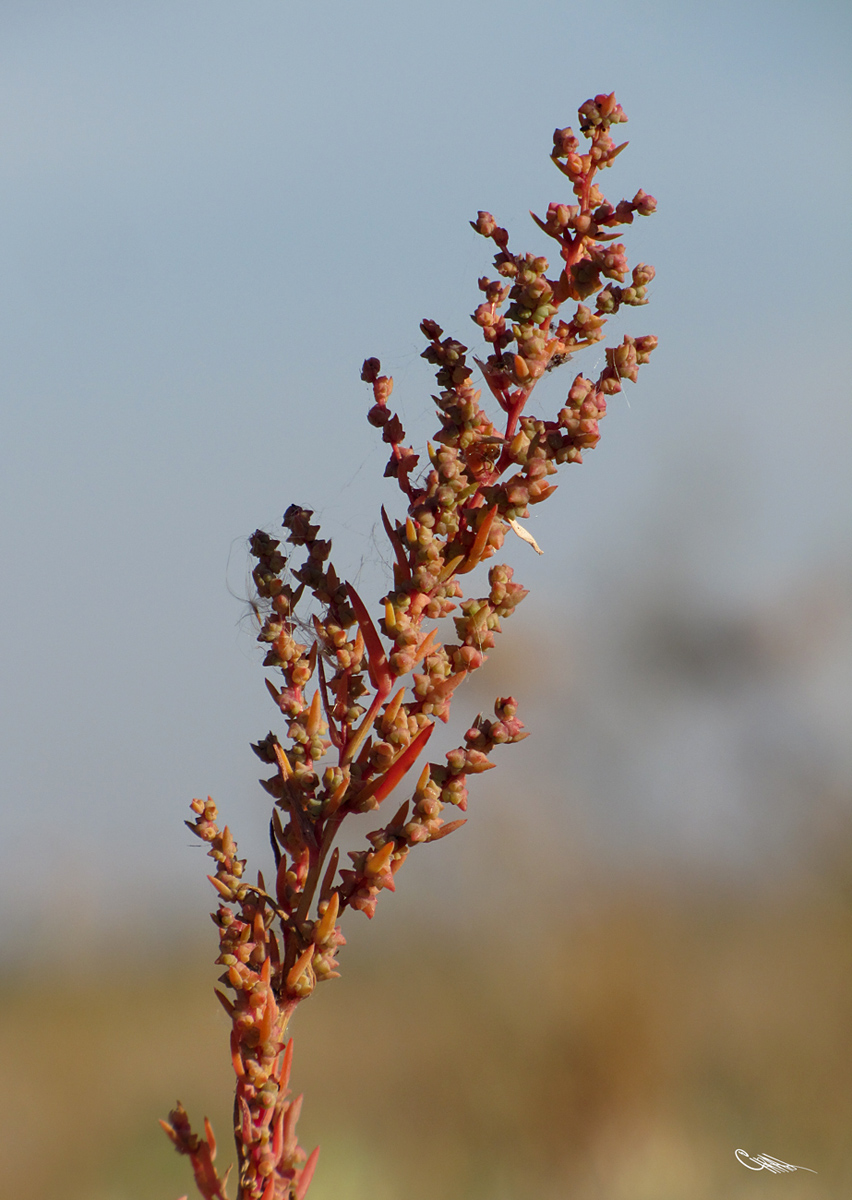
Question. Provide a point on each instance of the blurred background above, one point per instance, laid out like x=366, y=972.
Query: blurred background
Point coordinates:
x=634, y=959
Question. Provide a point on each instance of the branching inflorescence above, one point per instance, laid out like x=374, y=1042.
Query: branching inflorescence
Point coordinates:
x=360, y=702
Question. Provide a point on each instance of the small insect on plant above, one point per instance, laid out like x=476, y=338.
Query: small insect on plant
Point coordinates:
x=358, y=697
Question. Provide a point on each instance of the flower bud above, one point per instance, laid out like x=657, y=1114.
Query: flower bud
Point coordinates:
x=383, y=388
x=608, y=299
x=431, y=329
x=644, y=203
x=642, y=274
x=644, y=346
x=484, y=224
x=485, y=316
x=558, y=216
x=370, y=370
x=564, y=142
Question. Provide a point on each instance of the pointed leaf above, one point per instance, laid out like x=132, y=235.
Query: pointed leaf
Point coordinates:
x=384, y=784
x=380, y=673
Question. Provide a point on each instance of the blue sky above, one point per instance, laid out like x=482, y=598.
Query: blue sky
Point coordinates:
x=212, y=212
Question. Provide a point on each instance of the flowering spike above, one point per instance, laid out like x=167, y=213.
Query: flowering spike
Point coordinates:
x=482, y=478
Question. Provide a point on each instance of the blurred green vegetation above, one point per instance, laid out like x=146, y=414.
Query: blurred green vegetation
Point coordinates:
x=624, y=1049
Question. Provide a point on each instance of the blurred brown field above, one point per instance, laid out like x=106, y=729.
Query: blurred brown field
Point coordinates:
x=526, y=1017
x=619, y=1048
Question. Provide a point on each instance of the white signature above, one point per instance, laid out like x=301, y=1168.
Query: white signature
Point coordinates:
x=766, y=1163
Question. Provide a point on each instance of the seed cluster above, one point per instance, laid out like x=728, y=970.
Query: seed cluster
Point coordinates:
x=359, y=699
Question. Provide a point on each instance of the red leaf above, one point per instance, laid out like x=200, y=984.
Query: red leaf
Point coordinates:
x=380, y=672
x=384, y=784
